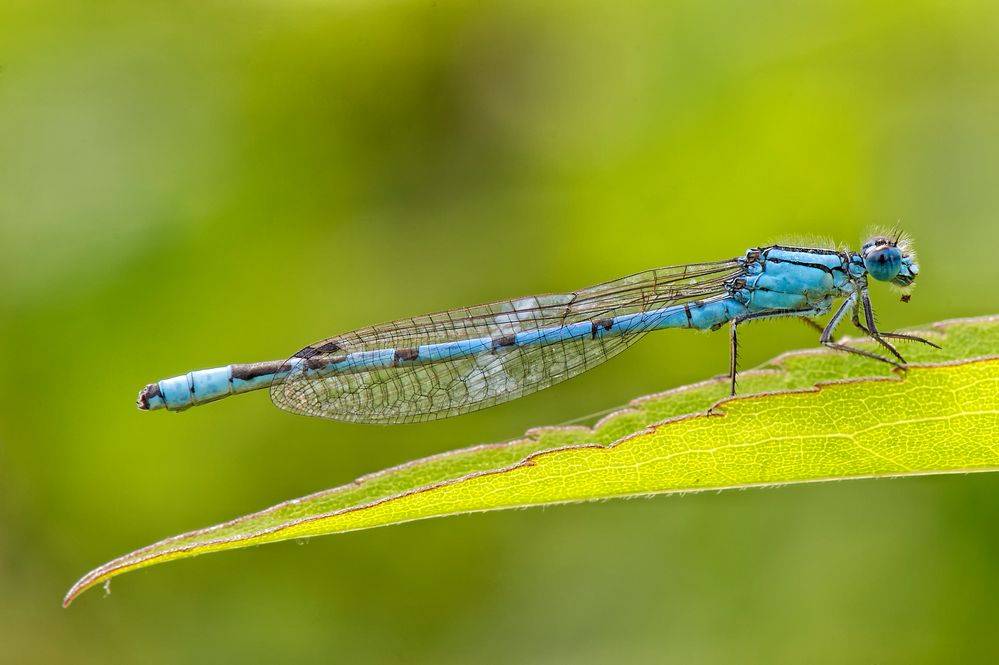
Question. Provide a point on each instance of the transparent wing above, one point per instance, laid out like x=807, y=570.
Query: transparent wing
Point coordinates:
x=427, y=391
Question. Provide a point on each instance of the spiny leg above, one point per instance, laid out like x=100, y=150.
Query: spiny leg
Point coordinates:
x=872, y=331
x=813, y=324
x=827, y=340
x=739, y=320
x=889, y=335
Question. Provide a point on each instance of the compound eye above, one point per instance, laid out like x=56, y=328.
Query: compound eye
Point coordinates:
x=883, y=263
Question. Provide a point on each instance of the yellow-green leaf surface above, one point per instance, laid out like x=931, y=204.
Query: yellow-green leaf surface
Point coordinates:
x=806, y=416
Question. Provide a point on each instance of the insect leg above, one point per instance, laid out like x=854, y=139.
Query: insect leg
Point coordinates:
x=739, y=320
x=827, y=341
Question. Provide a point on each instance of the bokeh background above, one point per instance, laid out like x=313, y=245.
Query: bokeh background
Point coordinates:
x=186, y=184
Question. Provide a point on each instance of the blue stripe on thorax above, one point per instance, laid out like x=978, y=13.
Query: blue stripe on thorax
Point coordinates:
x=791, y=279
x=828, y=258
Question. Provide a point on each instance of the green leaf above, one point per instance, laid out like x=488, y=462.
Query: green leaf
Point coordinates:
x=860, y=421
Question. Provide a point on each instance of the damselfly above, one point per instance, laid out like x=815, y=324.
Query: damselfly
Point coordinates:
x=452, y=362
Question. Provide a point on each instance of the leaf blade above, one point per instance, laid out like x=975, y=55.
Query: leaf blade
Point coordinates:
x=940, y=418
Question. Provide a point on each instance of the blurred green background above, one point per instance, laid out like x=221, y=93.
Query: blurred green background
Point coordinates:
x=188, y=184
